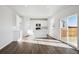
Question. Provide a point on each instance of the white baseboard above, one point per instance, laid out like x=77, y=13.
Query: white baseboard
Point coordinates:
x=5, y=45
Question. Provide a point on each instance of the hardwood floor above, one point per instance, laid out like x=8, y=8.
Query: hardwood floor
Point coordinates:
x=30, y=48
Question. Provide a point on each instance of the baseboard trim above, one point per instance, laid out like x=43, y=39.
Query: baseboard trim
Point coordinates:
x=5, y=45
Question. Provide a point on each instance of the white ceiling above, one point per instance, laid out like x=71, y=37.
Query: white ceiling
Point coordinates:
x=36, y=11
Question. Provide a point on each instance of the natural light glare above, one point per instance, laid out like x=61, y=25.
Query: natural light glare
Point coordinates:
x=30, y=32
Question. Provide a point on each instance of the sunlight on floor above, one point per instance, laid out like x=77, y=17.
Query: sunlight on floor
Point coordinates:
x=70, y=40
x=49, y=42
x=73, y=41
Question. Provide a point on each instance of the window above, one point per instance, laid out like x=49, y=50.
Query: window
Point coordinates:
x=68, y=30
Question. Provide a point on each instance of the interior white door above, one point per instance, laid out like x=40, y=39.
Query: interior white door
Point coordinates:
x=39, y=28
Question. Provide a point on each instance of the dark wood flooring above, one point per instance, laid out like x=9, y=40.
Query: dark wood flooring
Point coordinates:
x=30, y=48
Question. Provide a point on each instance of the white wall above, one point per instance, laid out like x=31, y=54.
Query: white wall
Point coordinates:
x=25, y=25
x=7, y=26
x=17, y=33
x=54, y=28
